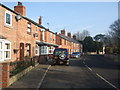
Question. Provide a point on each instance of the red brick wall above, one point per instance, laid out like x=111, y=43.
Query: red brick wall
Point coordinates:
x=5, y=74
x=20, y=9
x=17, y=34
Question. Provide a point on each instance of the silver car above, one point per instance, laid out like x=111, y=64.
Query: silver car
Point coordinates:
x=76, y=54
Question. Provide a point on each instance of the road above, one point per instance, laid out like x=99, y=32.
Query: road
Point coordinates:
x=90, y=71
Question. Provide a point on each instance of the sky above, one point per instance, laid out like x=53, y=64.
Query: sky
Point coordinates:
x=96, y=17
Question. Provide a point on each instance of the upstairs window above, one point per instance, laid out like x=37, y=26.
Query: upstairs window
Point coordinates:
x=64, y=42
x=43, y=34
x=50, y=37
x=36, y=32
x=8, y=18
x=36, y=29
x=29, y=28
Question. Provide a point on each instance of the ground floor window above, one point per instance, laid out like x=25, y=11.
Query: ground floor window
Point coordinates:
x=5, y=50
x=37, y=50
x=28, y=46
x=44, y=50
x=51, y=49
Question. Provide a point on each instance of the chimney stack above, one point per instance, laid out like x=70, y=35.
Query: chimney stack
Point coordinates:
x=69, y=34
x=63, y=32
x=20, y=9
x=40, y=20
x=74, y=37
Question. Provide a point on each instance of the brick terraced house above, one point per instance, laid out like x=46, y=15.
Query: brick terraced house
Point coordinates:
x=21, y=37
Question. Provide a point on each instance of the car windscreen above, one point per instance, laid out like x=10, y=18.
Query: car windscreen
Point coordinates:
x=76, y=53
x=60, y=51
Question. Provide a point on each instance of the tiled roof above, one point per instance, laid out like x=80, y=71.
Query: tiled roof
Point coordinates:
x=69, y=39
x=45, y=43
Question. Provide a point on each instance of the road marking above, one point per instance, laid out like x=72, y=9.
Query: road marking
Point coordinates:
x=83, y=62
x=83, y=59
x=101, y=77
x=88, y=68
x=107, y=82
x=40, y=83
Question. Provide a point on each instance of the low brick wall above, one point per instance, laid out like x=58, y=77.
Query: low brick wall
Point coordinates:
x=116, y=58
x=5, y=79
x=19, y=75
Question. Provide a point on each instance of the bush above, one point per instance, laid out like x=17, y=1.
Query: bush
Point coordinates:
x=115, y=50
x=19, y=66
x=108, y=50
x=112, y=50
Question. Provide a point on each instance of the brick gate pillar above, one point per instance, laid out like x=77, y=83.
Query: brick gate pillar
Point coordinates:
x=5, y=74
x=0, y=76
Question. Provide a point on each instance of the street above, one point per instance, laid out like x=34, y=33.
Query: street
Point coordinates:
x=91, y=71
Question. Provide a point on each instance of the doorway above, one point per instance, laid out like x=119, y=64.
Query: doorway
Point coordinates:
x=21, y=51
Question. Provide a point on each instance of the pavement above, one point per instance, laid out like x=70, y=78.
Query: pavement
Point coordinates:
x=32, y=78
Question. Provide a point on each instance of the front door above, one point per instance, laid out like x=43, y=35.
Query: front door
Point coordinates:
x=21, y=51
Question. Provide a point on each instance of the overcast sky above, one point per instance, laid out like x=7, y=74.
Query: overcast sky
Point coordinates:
x=96, y=17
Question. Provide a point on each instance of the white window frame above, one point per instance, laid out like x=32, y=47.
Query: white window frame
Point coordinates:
x=51, y=37
x=54, y=38
x=36, y=29
x=37, y=49
x=51, y=48
x=44, y=50
x=8, y=12
x=3, y=50
x=28, y=48
x=43, y=34
x=29, y=27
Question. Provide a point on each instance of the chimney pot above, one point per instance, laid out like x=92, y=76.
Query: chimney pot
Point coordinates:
x=55, y=32
x=20, y=9
x=69, y=34
x=63, y=32
x=74, y=37
x=40, y=20
x=19, y=3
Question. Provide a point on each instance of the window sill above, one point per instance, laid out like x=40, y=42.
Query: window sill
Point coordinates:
x=36, y=54
x=8, y=26
x=5, y=61
x=29, y=33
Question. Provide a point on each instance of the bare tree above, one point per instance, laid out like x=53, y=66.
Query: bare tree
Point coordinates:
x=115, y=32
x=81, y=36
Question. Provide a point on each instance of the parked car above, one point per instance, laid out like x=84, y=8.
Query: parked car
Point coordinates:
x=82, y=53
x=76, y=54
x=60, y=55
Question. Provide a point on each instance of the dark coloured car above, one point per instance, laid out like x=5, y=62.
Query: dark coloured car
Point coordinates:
x=60, y=55
x=76, y=54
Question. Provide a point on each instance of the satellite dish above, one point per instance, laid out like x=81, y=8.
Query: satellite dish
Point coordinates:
x=18, y=17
